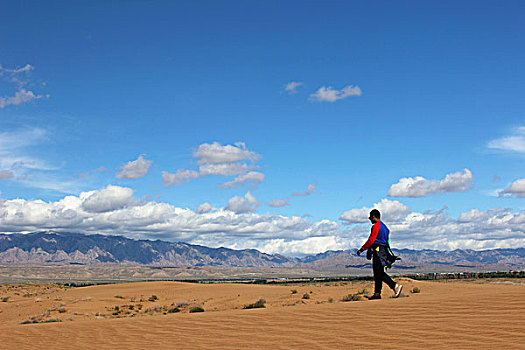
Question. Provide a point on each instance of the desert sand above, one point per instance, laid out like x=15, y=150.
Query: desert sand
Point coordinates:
x=484, y=314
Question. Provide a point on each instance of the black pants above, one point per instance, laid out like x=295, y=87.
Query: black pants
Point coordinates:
x=380, y=275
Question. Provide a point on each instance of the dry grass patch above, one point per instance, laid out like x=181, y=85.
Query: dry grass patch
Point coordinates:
x=257, y=305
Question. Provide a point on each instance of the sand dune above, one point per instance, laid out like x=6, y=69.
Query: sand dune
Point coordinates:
x=479, y=314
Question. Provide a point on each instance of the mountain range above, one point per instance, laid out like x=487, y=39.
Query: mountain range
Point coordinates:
x=41, y=248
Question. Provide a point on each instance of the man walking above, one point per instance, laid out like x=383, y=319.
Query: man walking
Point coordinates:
x=379, y=251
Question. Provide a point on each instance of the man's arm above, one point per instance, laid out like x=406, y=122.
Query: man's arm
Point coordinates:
x=371, y=239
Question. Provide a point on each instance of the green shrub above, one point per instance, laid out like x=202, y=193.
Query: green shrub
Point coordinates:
x=416, y=290
x=294, y=291
x=173, y=310
x=257, y=305
x=362, y=291
x=196, y=309
x=306, y=296
x=119, y=297
x=330, y=300
x=153, y=298
x=5, y=299
x=351, y=297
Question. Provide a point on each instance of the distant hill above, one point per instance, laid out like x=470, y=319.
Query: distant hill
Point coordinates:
x=54, y=247
x=76, y=248
x=428, y=260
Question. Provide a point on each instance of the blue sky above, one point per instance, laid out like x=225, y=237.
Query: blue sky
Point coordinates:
x=434, y=88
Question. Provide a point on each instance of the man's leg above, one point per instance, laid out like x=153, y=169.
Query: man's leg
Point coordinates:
x=389, y=281
x=378, y=274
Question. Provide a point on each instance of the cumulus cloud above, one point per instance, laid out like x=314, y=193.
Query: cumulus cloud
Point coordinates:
x=392, y=211
x=474, y=229
x=224, y=169
x=220, y=160
x=278, y=203
x=252, y=177
x=516, y=189
x=116, y=211
x=245, y=204
x=18, y=76
x=309, y=190
x=215, y=153
x=328, y=94
x=204, y=208
x=311, y=245
x=473, y=216
x=107, y=199
x=419, y=186
x=515, y=142
x=179, y=177
x=292, y=86
x=134, y=169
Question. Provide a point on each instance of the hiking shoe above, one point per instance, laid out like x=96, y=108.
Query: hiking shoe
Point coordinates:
x=374, y=296
x=397, y=290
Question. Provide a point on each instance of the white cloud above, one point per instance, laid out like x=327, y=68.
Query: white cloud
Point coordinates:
x=204, y=208
x=514, y=142
x=253, y=177
x=224, y=169
x=292, y=86
x=311, y=245
x=134, y=169
x=114, y=210
x=516, y=189
x=475, y=229
x=278, y=203
x=245, y=204
x=220, y=160
x=309, y=190
x=391, y=211
x=328, y=94
x=107, y=199
x=216, y=153
x=473, y=216
x=22, y=95
x=179, y=177
x=419, y=186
